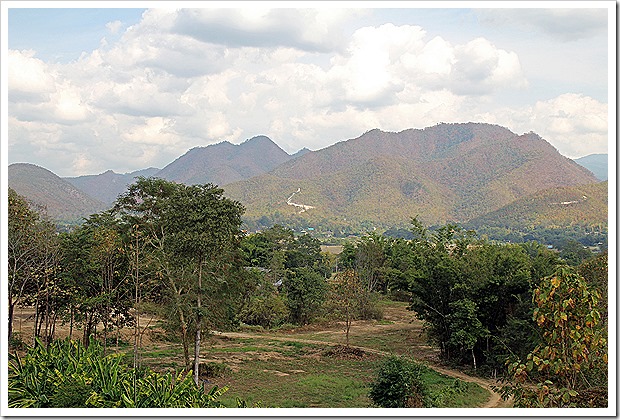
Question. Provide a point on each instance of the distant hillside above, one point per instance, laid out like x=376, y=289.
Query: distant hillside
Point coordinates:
x=584, y=205
x=61, y=199
x=597, y=164
x=225, y=162
x=449, y=172
x=106, y=187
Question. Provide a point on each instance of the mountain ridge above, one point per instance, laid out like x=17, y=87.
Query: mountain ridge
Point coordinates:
x=224, y=162
x=447, y=172
x=61, y=200
x=108, y=185
x=474, y=167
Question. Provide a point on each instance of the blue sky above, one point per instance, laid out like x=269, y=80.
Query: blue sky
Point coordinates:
x=63, y=34
x=91, y=89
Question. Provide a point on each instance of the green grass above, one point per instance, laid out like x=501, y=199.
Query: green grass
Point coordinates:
x=451, y=392
x=278, y=373
x=301, y=382
x=302, y=376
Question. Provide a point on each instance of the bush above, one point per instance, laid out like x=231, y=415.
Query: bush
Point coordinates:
x=68, y=374
x=399, y=384
x=214, y=369
x=267, y=311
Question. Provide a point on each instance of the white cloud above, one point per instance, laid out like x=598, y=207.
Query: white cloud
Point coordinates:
x=306, y=29
x=155, y=130
x=68, y=104
x=114, y=26
x=575, y=124
x=481, y=68
x=180, y=79
x=29, y=79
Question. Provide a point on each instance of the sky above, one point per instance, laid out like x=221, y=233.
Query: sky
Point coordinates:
x=93, y=87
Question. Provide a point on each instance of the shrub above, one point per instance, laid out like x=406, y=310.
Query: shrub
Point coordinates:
x=399, y=384
x=68, y=374
x=214, y=369
x=267, y=311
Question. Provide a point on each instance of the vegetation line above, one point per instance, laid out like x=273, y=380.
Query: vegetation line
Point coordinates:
x=495, y=399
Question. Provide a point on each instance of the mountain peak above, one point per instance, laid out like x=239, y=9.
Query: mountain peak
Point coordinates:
x=225, y=162
x=448, y=172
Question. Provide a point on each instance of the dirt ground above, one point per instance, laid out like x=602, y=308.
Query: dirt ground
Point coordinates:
x=396, y=320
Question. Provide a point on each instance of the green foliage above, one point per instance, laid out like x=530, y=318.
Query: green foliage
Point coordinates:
x=573, y=346
x=398, y=384
x=95, y=262
x=474, y=296
x=268, y=311
x=68, y=374
x=185, y=242
x=574, y=253
x=305, y=293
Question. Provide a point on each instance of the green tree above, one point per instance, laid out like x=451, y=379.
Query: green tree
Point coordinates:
x=192, y=233
x=305, y=293
x=347, y=291
x=95, y=273
x=574, y=253
x=466, y=329
x=399, y=384
x=205, y=230
x=22, y=252
x=574, y=345
x=33, y=265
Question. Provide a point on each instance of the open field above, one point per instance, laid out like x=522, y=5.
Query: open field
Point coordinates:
x=307, y=366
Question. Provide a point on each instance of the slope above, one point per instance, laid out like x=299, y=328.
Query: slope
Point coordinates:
x=225, y=162
x=448, y=172
x=61, y=200
x=597, y=163
x=107, y=186
x=584, y=205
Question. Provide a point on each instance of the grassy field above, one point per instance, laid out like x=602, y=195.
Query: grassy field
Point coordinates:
x=275, y=369
x=305, y=367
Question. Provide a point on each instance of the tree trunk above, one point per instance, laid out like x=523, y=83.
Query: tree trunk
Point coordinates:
x=198, y=327
x=473, y=356
x=11, y=310
x=184, y=339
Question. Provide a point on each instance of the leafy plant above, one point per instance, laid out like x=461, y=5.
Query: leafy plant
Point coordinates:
x=398, y=384
x=69, y=374
x=574, y=345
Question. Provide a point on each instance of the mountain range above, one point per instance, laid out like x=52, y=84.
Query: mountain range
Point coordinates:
x=60, y=199
x=448, y=172
x=597, y=163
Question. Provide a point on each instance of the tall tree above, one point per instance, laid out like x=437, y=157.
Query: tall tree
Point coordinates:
x=22, y=251
x=205, y=229
x=193, y=232
x=347, y=291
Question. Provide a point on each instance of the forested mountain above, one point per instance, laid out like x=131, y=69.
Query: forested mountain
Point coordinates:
x=106, y=187
x=597, y=163
x=444, y=173
x=45, y=189
x=225, y=162
x=449, y=172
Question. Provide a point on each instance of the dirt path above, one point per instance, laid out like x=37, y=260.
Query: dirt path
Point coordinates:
x=495, y=401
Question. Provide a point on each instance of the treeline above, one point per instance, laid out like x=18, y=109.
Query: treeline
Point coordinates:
x=490, y=306
x=178, y=252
